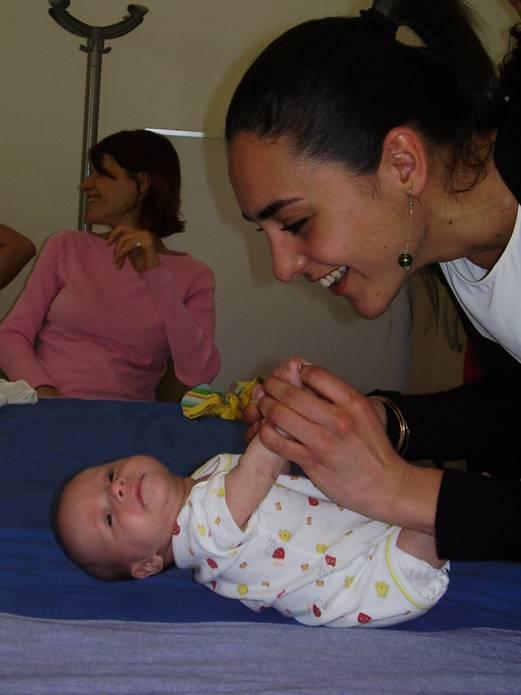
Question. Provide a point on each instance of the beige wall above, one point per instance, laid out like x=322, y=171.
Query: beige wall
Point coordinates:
x=178, y=70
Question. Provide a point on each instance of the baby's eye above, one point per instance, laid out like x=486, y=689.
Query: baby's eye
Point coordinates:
x=109, y=519
x=295, y=227
x=111, y=476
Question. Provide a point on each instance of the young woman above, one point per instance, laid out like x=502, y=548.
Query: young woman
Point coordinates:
x=367, y=148
x=102, y=313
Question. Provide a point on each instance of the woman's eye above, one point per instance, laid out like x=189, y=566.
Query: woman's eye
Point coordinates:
x=109, y=519
x=295, y=227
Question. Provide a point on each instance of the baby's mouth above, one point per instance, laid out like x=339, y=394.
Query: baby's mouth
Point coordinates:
x=139, y=491
x=334, y=277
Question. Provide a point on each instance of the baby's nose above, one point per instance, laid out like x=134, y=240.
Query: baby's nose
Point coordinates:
x=117, y=488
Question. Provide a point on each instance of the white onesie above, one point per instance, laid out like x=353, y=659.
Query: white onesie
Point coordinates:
x=302, y=554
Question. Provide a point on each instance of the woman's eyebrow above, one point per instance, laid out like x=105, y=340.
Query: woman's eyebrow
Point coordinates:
x=272, y=209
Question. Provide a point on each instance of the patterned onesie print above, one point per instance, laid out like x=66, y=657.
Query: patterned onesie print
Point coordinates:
x=301, y=554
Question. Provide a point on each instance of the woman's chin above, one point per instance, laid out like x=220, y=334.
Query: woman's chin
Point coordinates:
x=90, y=219
x=369, y=310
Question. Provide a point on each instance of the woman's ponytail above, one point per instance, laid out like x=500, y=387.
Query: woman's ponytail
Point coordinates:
x=510, y=69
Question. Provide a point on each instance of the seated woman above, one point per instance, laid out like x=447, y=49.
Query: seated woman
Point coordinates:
x=102, y=313
x=15, y=251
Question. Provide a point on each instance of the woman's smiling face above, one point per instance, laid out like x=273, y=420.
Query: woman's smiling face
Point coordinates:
x=112, y=198
x=321, y=221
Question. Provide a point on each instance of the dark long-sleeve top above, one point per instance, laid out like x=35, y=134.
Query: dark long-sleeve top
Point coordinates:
x=478, y=517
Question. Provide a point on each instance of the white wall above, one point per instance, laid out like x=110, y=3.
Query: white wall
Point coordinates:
x=178, y=70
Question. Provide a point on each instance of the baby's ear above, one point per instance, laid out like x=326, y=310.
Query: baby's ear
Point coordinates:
x=146, y=568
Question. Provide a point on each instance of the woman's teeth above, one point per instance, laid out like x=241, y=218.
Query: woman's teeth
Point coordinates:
x=333, y=277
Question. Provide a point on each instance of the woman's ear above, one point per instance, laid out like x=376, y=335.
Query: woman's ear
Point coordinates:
x=404, y=159
x=143, y=182
x=142, y=569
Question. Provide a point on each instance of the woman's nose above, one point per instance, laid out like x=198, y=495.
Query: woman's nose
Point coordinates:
x=287, y=266
x=287, y=261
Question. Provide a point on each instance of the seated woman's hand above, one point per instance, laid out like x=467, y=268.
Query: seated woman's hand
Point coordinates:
x=138, y=245
x=47, y=392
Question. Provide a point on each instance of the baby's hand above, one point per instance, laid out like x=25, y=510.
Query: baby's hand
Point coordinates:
x=290, y=370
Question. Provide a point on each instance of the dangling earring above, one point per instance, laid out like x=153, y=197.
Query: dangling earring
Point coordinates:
x=405, y=258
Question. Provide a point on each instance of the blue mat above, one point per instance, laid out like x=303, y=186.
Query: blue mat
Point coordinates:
x=43, y=444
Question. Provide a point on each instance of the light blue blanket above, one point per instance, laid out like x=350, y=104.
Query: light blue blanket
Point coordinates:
x=122, y=658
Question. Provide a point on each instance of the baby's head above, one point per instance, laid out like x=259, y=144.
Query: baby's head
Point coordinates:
x=116, y=520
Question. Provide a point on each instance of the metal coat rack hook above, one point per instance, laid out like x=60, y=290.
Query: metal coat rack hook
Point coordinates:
x=94, y=48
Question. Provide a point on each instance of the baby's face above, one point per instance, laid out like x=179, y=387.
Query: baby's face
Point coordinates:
x=120, y=512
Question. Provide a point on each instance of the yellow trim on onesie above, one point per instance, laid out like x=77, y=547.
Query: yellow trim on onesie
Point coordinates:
x=395, y=578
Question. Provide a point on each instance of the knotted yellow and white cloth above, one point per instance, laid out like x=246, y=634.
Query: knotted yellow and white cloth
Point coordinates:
x=203, y=400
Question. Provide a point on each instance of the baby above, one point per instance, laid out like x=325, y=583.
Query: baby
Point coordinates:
x=252, y=532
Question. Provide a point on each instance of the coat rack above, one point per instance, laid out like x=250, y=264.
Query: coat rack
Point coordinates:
x=95, y=48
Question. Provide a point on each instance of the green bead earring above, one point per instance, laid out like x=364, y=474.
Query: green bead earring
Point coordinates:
x=405, y=259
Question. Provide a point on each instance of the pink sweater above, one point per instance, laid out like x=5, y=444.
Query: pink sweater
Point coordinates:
x=93, y=331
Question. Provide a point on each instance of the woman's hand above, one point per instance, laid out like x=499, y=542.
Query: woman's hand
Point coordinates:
x=252, y=416
x=379, y=409
x=138, y=245
x=342, y=446
x=47, y=392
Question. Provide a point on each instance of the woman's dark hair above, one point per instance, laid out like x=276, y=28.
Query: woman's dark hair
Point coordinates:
x=510, y=69
x=337, y=86
x=142, y=151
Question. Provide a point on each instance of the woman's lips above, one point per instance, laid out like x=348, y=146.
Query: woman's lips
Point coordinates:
x=334, y=276
x=338, y=288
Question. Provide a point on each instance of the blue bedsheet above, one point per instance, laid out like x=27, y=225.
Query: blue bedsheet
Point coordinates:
x=43, y=444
